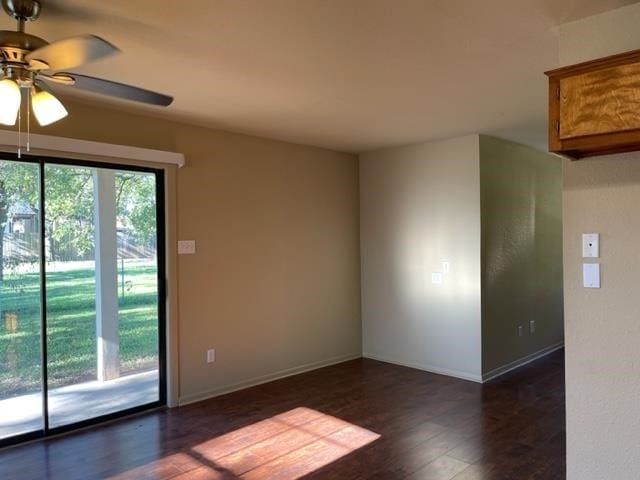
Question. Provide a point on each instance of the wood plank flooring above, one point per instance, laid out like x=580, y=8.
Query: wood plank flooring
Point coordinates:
x=358, y=420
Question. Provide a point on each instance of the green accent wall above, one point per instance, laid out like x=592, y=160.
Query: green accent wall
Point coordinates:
x=521, y=250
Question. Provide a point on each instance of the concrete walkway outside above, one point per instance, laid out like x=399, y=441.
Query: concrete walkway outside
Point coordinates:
x=75, y=403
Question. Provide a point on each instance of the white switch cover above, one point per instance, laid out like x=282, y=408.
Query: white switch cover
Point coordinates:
x=591, y=275
x=186, y=247
x=436, y=277
x=446, y=267
x=590, y=245
x=211, y=355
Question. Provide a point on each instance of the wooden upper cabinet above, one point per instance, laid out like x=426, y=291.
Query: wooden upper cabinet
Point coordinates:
x=594, y=107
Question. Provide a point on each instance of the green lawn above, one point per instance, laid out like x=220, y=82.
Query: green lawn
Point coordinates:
x=71, y=332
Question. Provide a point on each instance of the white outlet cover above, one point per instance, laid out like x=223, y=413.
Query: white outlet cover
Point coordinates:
x=591, y=275
x=436, y=277
x=186, y=247
x=590, y=245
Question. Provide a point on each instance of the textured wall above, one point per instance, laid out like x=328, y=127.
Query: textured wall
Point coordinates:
x=419, y=205
x=275, y=285
x=521, y=208
x=602, y=326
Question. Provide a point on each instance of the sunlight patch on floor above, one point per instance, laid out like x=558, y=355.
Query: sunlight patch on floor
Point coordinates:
x=286, y=446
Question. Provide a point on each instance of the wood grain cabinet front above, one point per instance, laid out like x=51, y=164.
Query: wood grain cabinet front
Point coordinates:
x=594, y=107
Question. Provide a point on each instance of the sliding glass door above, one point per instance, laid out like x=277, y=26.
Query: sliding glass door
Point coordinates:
x=82, y=262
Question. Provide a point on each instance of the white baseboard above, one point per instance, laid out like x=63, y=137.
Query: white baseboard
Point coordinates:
x=521, y=362
x=215, y=392
x=427, y=368
x=252, y=382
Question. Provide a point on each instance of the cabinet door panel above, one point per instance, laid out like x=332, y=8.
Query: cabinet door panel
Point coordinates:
x=600, y=102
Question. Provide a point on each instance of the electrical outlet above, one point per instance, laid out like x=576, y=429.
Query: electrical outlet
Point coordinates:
x=186, y=247
x=532, y=326
x=211, y=355
x=520, y=330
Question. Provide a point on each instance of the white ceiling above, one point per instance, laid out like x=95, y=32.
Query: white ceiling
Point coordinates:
x=351, y=75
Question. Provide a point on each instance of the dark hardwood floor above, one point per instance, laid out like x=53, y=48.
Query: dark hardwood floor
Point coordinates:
x=357, y=420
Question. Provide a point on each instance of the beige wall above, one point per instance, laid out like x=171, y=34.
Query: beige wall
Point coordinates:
x=602, y=327
x=275, y=285
x=419, y=205
x=521, y=252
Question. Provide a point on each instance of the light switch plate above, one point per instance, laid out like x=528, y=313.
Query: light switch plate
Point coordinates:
x=186, y=247
x=446, y=266
x=590, y=245
x=591, y=275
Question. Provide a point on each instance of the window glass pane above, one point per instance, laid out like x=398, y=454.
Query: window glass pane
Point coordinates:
x=20, y=303
x=102, y=291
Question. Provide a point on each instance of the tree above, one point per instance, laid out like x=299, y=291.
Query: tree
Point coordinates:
x=136, y=202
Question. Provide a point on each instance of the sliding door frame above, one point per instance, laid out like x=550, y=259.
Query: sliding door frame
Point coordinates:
x=161, y=233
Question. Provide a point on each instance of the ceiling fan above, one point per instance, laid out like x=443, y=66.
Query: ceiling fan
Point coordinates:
x=30, y=63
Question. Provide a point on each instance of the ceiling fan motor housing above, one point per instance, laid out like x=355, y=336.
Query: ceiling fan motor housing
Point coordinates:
x=20, y=41
x=14, y=46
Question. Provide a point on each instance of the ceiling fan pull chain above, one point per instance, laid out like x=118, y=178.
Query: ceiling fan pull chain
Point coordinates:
x=20, y=132
x=29, y=122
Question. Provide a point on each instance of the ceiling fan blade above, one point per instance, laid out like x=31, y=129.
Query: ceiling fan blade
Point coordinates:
x=71, y=52
x=113, y=89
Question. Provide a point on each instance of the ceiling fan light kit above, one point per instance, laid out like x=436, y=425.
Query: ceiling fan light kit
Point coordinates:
x=46, y=107
x=29, y=63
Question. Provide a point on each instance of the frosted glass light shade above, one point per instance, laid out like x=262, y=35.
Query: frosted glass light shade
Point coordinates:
x=10, y=99
x=47, y=108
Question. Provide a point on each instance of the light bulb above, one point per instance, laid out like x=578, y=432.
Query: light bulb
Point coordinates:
x=47, y=108
x=10, y=99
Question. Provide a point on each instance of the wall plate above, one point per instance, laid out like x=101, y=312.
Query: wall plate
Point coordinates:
x=591, y=275
x=186, y=247
x=590, y=245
